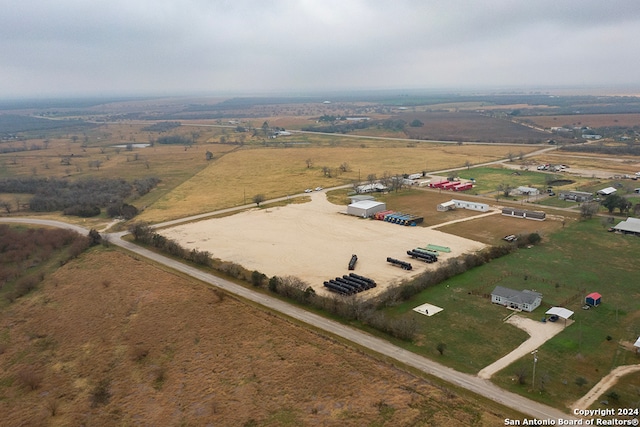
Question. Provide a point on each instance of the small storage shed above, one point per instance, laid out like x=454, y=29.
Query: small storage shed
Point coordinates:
x=365, y=208
x=446, y=206
x=593, y=299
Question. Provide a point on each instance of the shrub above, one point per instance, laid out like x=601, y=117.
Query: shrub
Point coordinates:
x=29, y=378
x=100, y=395
x=257, y=278
x=534, y=238
x=84, y=211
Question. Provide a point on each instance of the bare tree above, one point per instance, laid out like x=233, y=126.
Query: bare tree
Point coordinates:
x=386, y=179
x=309, y=163
x=6, y=206
x=344, y=167
x=258, y=198
x=505, y=189
x=589, y=209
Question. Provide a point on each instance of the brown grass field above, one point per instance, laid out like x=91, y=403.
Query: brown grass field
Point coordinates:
x=110, y=340
x=600, y=165
x=469, y=126
x=236, y=177
x=591, y=120
x=166, y=350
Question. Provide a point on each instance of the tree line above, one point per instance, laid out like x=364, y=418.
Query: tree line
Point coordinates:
x=352, y=308
x=25, y=251
x=397, y=125
x=82, y=198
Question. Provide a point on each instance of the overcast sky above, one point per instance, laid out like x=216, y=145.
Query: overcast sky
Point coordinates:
x=172, y=47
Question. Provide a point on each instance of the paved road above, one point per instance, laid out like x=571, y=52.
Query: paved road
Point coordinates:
x=469, y=382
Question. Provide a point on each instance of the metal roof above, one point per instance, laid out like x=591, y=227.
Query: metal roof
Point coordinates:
x=607, y=191
x=630, y=225
x=366, y=204
x=526, y=296
x=560, y=312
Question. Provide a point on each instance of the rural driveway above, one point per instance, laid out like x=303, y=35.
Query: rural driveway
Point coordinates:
x=603, y=385
x=470, y=382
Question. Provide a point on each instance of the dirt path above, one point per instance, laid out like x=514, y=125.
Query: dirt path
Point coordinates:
x=539, y=333
x=603, y=385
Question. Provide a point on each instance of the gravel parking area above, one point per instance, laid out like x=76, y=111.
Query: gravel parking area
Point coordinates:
x=314, y=241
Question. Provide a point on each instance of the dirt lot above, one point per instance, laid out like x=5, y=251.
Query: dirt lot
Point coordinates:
x=110, y=340
x=314, y=241
x=469, y=126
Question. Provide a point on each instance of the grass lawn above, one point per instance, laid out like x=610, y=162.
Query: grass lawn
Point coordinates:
x=626, y=390
x=489, y=178
x=576, y=260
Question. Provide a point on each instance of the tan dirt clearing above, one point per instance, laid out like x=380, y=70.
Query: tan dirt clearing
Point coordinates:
x=314, y=241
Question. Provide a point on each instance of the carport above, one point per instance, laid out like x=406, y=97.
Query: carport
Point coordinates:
x=561, y=312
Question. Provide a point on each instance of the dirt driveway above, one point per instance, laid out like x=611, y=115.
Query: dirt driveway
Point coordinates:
x=539, y=332
x=314, y=241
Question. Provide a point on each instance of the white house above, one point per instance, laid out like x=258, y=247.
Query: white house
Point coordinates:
x=522, y=300
x=528, y=191
x=370, y=188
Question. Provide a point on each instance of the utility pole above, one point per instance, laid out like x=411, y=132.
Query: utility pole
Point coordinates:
x=535, y=360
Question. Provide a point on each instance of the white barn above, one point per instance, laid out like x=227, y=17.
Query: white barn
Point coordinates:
x=366, y=208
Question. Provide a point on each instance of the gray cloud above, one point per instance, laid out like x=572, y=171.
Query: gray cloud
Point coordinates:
x=77, y=47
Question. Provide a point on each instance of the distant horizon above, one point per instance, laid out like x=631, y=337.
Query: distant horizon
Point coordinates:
x=631, y=90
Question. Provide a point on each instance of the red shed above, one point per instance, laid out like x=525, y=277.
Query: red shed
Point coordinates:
x=593, y=299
